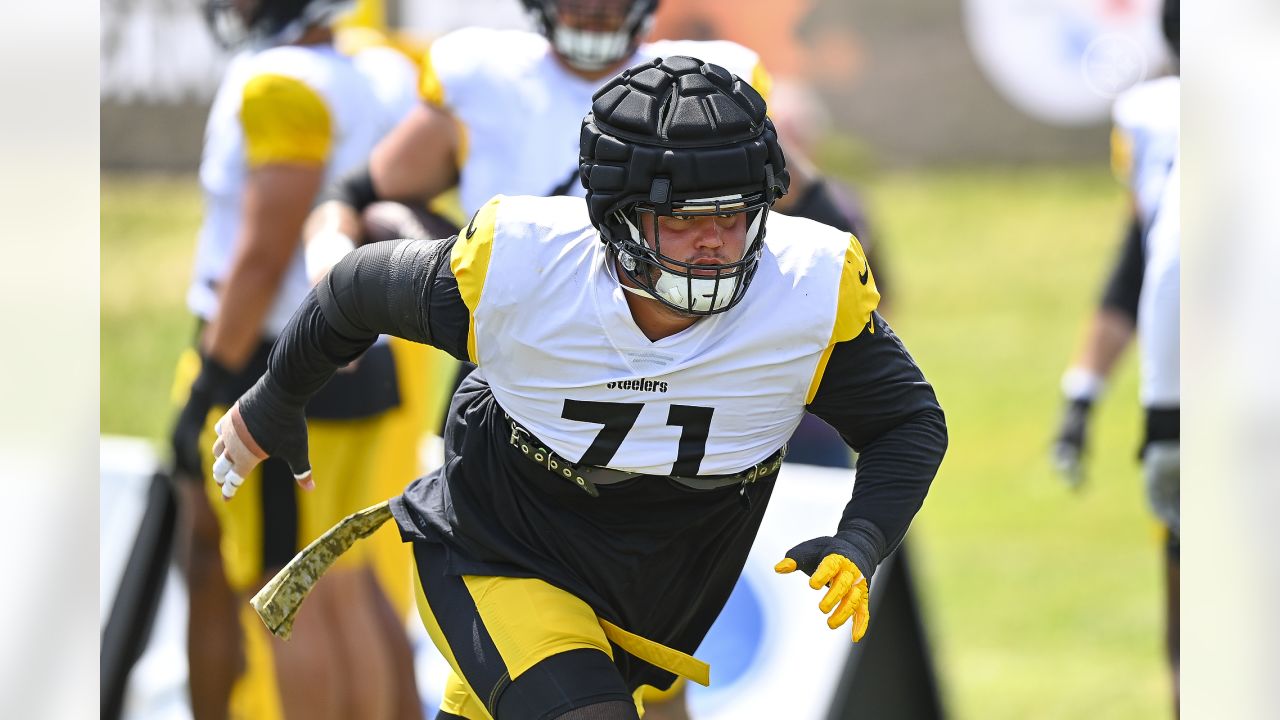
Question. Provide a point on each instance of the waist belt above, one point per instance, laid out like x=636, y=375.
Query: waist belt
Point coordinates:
x=588, y=477
x=278, y=601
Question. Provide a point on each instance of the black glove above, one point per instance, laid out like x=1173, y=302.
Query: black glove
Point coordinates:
x=264, y=422
x=278, y=423
x=1069, y=444
x=185, y=438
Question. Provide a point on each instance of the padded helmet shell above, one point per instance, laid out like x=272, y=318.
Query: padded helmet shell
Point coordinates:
x=667, y=132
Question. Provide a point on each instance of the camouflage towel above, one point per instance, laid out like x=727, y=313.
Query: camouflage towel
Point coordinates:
x=278, y=601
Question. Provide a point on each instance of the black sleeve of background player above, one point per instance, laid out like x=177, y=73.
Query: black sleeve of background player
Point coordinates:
x=1125, y=284
x=873, y=393
x=818, y=203
x=355, y=188
x=403, y=288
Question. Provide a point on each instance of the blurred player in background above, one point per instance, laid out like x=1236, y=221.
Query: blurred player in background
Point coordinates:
x=1141, y=296
x=561, y=588
x=291, y=114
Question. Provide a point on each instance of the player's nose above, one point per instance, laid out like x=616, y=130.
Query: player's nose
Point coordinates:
x=709, y=234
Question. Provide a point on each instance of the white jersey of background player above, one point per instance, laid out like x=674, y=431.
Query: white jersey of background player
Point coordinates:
x=318, y=87
x=1158, y=307
x=1145, y=152
x=518, y=109
x=1145, y=140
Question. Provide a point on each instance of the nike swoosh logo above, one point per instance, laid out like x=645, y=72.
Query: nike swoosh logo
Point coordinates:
x=862, y=276
x=471, y=226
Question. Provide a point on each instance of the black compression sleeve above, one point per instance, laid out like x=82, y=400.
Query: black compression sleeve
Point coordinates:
x=394, y=287
x=354, y=188
x=401, y=287
x=873, y=393
x=1125, y=284
x=398, y=287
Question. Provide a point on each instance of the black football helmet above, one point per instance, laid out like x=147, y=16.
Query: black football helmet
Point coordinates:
x=682, y=138
x=593, y=34
x=268, y=22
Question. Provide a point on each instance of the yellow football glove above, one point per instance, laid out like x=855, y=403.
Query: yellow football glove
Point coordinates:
x=847, y=587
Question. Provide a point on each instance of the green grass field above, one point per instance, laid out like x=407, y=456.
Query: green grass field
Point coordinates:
x=1042, y=603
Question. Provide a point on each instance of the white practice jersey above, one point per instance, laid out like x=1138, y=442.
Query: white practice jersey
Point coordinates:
x=1145, y=140
x=520, y=111
x=393, y=77
x=337, y=118
x=1159, y=304
x=554, y=336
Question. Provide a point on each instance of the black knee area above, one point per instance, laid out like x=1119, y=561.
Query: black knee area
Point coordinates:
x=565, y=683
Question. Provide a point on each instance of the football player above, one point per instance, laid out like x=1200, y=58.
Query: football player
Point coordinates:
x=499, y=115
x=1142, y=297
x=291, y=114
x=642, y=356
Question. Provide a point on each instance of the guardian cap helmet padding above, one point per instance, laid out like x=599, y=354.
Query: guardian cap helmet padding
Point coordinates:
x=683, y=138
x=614, y=28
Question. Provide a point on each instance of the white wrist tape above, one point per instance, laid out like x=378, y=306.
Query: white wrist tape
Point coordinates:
x=323, y=251
x=1081, y=384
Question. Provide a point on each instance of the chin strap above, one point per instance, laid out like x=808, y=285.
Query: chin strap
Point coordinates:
x=637, y=291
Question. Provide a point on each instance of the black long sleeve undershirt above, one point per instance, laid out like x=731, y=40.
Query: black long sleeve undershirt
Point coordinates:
x=873, y=393
x=400, y=287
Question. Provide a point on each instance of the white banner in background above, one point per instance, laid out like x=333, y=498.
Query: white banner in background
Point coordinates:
x=1064, y=61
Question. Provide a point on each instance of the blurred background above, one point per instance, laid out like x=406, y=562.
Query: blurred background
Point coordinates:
x=976, y=135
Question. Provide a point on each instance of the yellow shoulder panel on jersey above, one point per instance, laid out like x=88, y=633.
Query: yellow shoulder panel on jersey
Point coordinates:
x=429, y=86
x=761, y=80
x=284, y=122
x=1121, y=155
x=470, y=263
x=858, y=299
